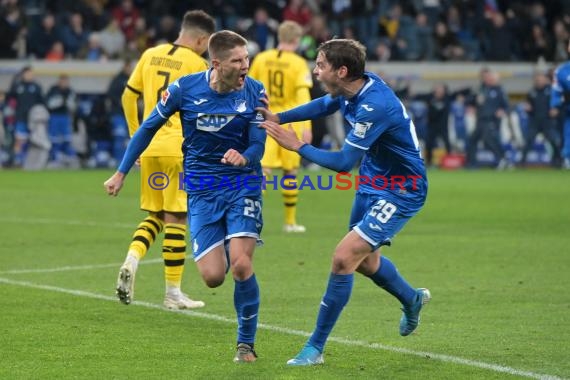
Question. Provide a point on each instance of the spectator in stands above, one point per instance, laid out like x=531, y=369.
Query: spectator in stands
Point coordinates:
x=424, y=44
x=126, y=15
x=262, y=31
x=540, y=121
x=499, y=40
x=27, y=93
x=538, y=45
x=42, y=38
x=11, y=28
x=167, y=29
x=112, y=39
x=93, y=51
x=383, y=50
x=365, y=16
x=298, y=11
x=492, y=105
x=447, y=46
x=56, y=53
x=317, y=33
x=61, y=103
x=560, y=44
x=74, y=34
x=143, y=36
x=96, y=16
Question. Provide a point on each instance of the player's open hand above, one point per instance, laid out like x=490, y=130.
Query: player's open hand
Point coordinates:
x=286, y=137
x=233, y=157
x=114, y=184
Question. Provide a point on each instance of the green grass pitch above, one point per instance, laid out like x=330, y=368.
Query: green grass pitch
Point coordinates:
x=493, y=248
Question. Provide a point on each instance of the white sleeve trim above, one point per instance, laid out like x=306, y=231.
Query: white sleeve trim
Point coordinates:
x=355, y=145
x=160, y=113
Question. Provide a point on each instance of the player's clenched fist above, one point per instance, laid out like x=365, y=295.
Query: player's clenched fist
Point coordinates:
x=114, y=184
x=233, y=157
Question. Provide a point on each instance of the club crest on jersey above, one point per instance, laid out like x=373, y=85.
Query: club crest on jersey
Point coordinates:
x=361, y=128
x=164, y=97
x=212, y=123
x=239, y=105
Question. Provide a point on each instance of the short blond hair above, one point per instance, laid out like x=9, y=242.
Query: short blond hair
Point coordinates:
x=220, y=43
x=289, y=31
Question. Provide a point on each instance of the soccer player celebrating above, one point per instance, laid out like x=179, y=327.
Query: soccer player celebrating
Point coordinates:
x=222, y=144
x=157, y=68
x=383, y=136
x=287, y=78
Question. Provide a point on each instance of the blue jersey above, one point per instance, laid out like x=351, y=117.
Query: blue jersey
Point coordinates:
x=561, y=87
x=380, y=126
x=213, y=123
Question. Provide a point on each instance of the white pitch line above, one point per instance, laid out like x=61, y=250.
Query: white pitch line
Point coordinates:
x=76, y=267
x=284, y=330
x=67, y=222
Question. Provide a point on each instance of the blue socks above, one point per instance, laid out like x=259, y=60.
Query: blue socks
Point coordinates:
x=335, y=298
x=388, y=278
x=246, y=302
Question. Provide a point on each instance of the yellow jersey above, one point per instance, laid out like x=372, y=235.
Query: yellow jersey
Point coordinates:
x=157, y=68
x=286, y=78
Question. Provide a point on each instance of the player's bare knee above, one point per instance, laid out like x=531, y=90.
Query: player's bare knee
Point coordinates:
x=340, y=264
x=213, y=282
x=213, y=279
x=241, y=268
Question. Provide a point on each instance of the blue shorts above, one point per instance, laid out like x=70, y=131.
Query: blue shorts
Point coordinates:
x=378, y=217
x=59, y=128
x=21, y=130
x=216, y=216
x=119, y=126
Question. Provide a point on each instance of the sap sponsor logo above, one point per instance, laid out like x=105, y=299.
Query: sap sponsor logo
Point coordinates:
x=212, y=123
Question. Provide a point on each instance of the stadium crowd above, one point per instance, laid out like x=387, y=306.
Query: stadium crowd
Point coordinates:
x=409, y=30
x=406, y=30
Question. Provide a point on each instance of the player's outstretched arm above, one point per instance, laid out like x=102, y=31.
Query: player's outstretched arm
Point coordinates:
x=287, y=138
x=319, y=107
x=341, y=161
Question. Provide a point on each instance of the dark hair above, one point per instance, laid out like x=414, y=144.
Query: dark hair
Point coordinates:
x=222, y=41
x=200, y=20
x=345, y=52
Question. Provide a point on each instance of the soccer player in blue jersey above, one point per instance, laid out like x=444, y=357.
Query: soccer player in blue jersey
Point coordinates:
x=383, y=136
x=222, y=144
x=560, y=99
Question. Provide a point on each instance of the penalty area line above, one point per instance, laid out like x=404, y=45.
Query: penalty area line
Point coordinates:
x=288, y=331
x=75, y=267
